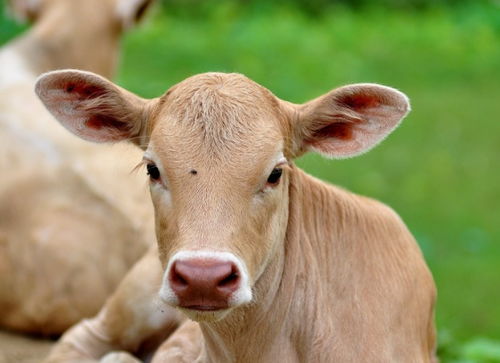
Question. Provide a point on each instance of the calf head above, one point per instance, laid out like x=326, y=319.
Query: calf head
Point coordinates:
x=126, y=12
x=218, y=150
x=78, y=33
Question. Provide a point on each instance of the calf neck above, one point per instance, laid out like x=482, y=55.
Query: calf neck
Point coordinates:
x=272, y=263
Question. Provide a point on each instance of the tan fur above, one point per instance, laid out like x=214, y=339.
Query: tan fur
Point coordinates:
x=73, y=218
x=335, y=277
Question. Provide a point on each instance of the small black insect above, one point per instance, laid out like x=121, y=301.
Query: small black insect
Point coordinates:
x=193, y=172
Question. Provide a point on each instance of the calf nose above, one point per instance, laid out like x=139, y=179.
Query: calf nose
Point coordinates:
x=203, y=284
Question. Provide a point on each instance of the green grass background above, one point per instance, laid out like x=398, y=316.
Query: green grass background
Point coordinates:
x=440, y=169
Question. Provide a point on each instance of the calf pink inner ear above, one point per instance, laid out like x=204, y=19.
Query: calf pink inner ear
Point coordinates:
x=24, y=10
x=132, y=11
x=92, y=109
x=339, y=130
x=351, y=120
x=90, y=106
x=116, y=130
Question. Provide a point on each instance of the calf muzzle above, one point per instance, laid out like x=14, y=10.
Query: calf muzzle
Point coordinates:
x=204, y=284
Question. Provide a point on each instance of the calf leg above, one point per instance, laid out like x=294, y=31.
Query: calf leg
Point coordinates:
x=183, y=346
x=132, y=318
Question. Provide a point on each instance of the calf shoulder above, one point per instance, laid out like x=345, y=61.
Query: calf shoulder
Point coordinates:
x=360, y=284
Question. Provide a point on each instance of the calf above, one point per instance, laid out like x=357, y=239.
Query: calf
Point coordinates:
x=272, y=264
x=68, y=217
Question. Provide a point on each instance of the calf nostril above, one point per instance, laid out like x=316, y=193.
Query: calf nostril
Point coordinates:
x=231, y=280
x=177, y=279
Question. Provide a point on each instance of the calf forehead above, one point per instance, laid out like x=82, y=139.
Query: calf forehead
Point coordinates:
x=218, y=115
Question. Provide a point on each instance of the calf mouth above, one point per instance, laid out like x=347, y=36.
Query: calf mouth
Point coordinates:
x=204, y=307
x=206, y=314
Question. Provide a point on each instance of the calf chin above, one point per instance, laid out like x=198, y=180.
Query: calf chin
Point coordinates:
x=206, y=316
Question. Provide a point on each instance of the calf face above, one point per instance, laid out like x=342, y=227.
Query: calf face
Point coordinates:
x=218, y=150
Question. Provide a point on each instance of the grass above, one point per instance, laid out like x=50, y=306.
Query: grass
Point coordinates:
x=439, y=170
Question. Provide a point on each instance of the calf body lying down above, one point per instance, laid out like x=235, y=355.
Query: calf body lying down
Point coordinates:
x=68, y=231
x=269, y=263
x=67, y=237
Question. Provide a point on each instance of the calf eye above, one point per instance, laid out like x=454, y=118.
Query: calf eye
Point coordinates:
x=153, y=172
x=275, y=176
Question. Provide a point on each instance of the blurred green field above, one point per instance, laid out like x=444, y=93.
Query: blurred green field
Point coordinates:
x=440, y=170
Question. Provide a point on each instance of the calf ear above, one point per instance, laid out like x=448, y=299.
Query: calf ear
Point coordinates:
x=131, y=12
x=25, y=10
x=92, y=107
x=350, y=120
